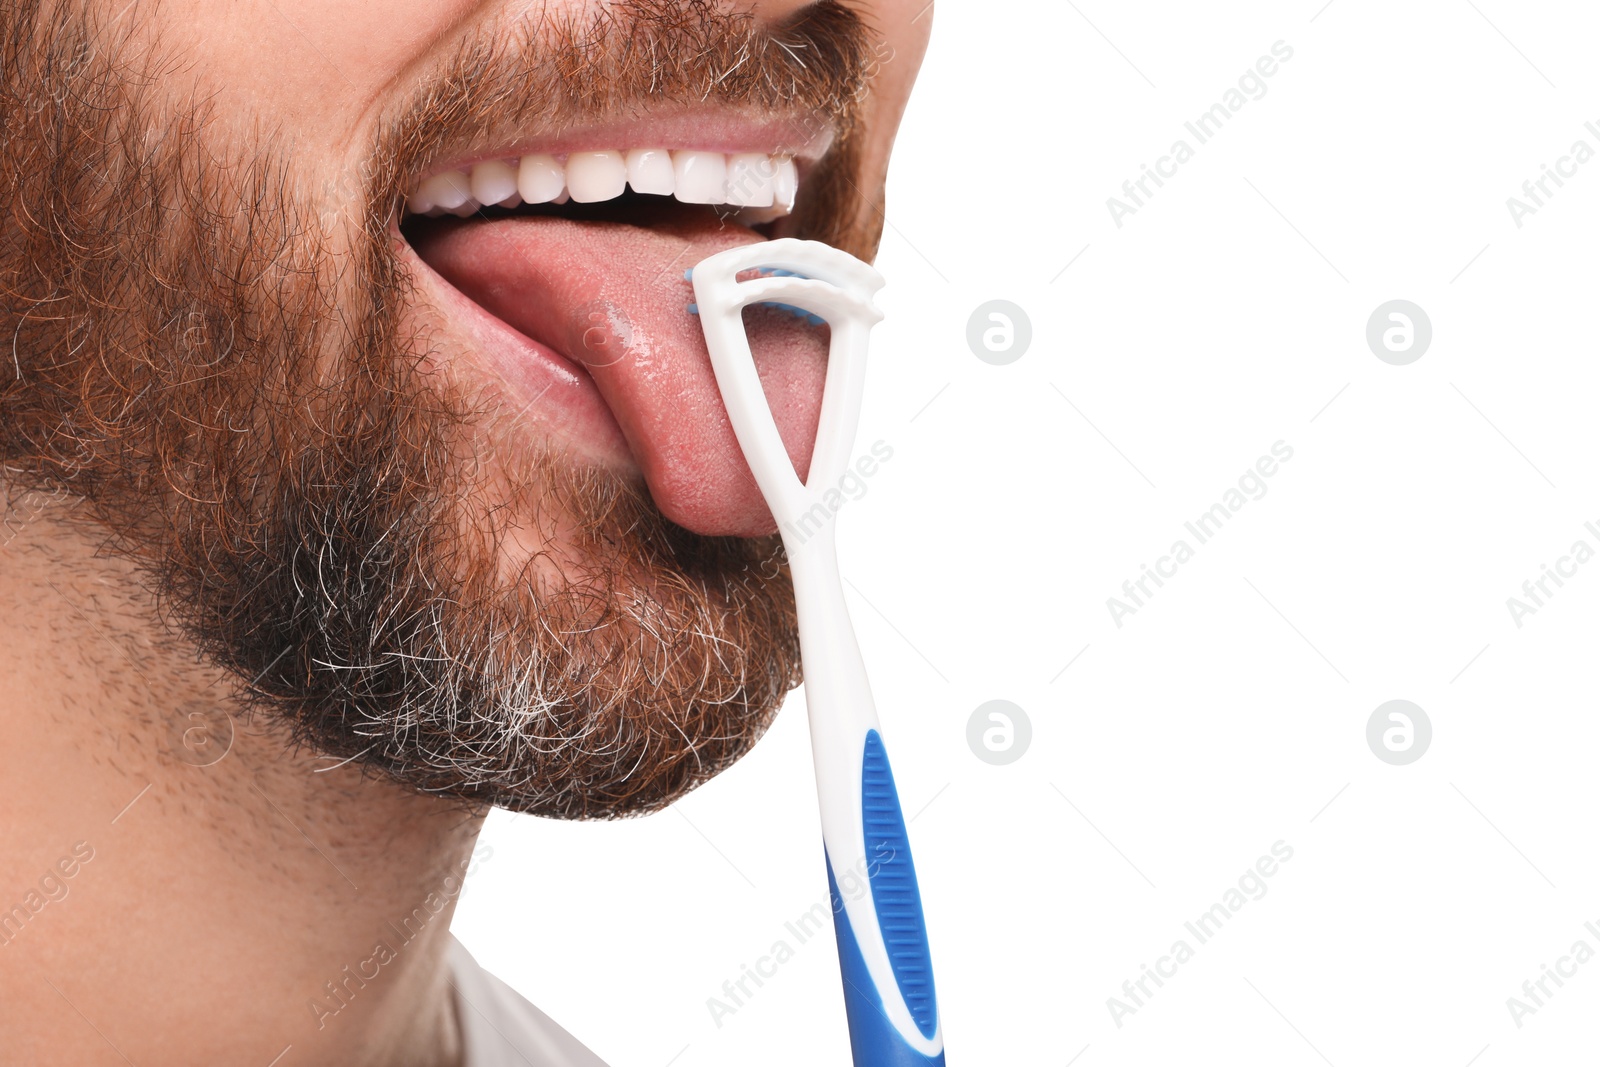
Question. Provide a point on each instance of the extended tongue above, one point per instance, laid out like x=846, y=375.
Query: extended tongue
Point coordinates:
x=611, y=298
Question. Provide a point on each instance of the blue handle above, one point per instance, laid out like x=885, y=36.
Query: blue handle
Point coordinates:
x=874, y=1040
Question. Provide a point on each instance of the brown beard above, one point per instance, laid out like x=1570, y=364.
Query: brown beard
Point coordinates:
x=222, y=378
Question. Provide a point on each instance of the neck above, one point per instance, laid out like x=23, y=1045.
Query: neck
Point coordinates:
x=179, y=885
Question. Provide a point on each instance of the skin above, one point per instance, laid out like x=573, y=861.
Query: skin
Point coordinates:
x=228, y=881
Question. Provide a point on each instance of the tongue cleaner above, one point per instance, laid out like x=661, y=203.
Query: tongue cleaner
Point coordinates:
x=883, y=942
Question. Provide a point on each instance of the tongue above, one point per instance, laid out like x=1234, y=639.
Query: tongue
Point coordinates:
x=611, y=298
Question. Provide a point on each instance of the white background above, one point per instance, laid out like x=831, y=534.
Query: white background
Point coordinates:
x=1230, y=712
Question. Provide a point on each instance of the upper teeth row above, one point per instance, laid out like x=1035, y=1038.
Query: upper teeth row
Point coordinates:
x=743, y=179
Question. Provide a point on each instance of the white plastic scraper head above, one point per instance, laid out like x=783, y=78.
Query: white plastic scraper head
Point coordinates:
x=812, y=277
x=883, y=944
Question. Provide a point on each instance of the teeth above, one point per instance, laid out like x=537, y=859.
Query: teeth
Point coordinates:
x=493, y=181
x=700, y=177
x=448, y=190
x=750, y=179
x=650, y=171
x=594, y=176
x=763, y=185
x=785, y=181
x=785, y=184
x=540, y=179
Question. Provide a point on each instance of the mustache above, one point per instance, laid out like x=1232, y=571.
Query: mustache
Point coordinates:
x=558, y=71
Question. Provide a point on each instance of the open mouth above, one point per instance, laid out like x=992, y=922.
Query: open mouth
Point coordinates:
x=562, y=268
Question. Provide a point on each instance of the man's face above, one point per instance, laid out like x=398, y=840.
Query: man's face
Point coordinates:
x=453, y=495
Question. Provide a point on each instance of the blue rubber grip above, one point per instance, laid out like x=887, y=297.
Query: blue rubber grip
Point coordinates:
x=874, y=1041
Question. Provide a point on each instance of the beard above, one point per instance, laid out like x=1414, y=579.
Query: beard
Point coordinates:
x=209, y=352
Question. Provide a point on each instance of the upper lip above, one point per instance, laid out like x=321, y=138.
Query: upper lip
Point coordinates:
x=805, y=136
